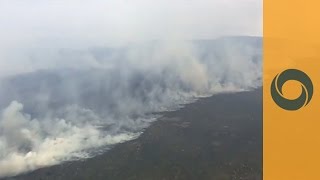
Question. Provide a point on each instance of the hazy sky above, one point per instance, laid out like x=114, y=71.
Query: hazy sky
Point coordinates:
x=102, y=21
x=85, y=23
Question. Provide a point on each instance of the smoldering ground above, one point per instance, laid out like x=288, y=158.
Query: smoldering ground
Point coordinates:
x=77, y=76
x=62, y=114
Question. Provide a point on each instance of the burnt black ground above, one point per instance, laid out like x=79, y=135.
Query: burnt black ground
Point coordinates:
x=216, y=138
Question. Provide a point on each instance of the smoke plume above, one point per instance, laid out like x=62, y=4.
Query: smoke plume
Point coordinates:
x=79, y=76
x=103, y=96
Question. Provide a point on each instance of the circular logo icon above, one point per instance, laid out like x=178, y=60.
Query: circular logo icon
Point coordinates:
x=306, y=89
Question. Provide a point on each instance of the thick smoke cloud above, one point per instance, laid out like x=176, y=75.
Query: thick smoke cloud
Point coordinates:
x=77, y=77
x=27, y=144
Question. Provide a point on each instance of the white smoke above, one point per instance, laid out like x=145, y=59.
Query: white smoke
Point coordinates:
x=80, y=76
x=73, y=111
x=27, y=144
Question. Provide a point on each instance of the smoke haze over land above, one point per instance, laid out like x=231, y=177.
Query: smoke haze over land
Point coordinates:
x=85, y=24
x=78, y=77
